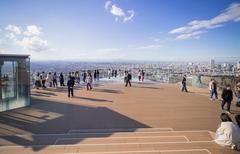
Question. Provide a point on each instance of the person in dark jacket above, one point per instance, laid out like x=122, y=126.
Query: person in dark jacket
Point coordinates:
x=184, y=84
x=70, y=84
x=128, y=79
x=84, y=76
x=115, y=73
x=61, y=79
x=98, y=75
x=95, y=75
x=227, y=96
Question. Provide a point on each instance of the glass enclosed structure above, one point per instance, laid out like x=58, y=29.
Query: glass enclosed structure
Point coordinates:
x=14, y=81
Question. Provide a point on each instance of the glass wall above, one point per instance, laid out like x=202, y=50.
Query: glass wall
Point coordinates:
x=14, y=83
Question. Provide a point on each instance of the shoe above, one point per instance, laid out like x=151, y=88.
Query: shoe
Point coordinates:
x=210, y=99
x=234, y=147
x=228, y=112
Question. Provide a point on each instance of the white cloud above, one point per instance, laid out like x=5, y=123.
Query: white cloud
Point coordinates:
x=29, y=39
x=14, y=29
x=131, y=15
x=118, y=12
x=195, y=35
x=156, y=39
x=34, y=43
x=237, y=19
x=11, y=36
x=232, y=13
x=32, y=30
x=107, y=5
x=150, y=46
x=107, y=49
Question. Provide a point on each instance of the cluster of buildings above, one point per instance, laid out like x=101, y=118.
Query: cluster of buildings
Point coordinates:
x=17, y=75
x=156, y=71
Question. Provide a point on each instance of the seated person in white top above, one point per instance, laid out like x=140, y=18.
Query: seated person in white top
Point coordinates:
x=228, y=133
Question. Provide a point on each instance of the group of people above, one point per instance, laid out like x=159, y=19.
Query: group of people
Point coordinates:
x=228, y=133
x=42, y=78
x=227, y=94
x=112, y=73
x=141, y=75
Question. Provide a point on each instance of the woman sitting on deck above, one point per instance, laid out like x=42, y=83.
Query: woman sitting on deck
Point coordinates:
x=228, y=134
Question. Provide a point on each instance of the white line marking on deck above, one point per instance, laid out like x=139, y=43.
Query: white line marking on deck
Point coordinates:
x=110, y=133
x=149, y=151
x=72, y=145
x=118, y=130
x=136, y=137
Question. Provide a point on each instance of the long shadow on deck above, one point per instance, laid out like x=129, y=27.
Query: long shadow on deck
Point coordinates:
x=92, y=99
x=50, y=117
x=111, y=91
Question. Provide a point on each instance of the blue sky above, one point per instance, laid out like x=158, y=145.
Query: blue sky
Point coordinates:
x=120, y=29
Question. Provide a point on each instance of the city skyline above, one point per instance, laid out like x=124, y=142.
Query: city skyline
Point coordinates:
x=121, y=30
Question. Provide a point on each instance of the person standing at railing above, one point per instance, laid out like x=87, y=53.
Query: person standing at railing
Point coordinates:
x=109, y=73
x=55, y=80
x=115, y=73
x=142, y=75
x=61, y=79
x=98, y=75
x=139, y=75
x=50, y=79
x=84, y=76
x=77, y=77
x=70, y=85
x=95, y=75
x=89, y=81
x=43, y=79
x=37, y=80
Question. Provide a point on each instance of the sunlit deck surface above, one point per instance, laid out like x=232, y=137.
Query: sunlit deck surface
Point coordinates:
x=144, y=118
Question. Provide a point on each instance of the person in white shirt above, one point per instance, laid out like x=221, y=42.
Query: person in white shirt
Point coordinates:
x=89, y=81
x=50, y=79
x=43, y=79
x=228, y=133
x=109, y=73
x=139, y=75
x=210, y=87
x=37, y=80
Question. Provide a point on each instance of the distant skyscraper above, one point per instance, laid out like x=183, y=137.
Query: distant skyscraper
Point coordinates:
x=212, y=63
